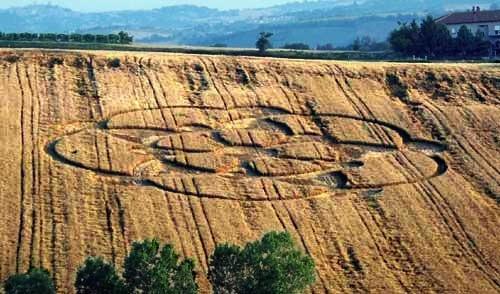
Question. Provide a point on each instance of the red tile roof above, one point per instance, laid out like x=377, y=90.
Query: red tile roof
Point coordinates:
x=470, y=17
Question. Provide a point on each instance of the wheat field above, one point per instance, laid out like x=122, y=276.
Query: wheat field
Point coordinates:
x=388, y=175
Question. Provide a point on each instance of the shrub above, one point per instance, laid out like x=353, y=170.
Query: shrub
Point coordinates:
x=53, y=61
x=35, y=281
x=326, y=47
x=12, y=58
x=78, y=62
x=149, y=268
x=297, y=46
x=264, y=42
x=114, y=62
x=397, y=87
x=152, y=269
x=219, y=45
x=97, y=276
x=270, y=265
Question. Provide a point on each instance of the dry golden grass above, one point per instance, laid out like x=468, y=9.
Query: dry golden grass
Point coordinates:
x=390, y=187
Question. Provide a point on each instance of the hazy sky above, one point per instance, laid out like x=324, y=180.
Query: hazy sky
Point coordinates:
x=105, y=5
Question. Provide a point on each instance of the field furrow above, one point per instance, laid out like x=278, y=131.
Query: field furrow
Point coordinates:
x=387, y=193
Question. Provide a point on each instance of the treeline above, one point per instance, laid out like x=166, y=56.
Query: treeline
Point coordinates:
x=120, y=38
x=433, y=40
x=271, y=265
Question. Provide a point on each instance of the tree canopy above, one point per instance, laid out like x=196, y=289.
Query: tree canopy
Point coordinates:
x=97, y=276
x=272, y=265
x=35, y=281
x=264, y=42
x=120, y=38
x=296, y=46
x=434, y=40
x=150, y=268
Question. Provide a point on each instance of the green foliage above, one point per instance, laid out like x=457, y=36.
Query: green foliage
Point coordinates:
x=356, y=45
x=114, y=62
x=353, y=257
x=325, y=47
x=297, y=46
x=264, y=42
x=334, y=55
x=367, y=44
x=89, y=38
x=54, y=60
x=97, y=276
x=271, y=265
x=125, y=38
x=434, y=40
x=101, y=39
x=12, y=58
x=152, y=269
x=35, y=281
x=464, y=41
x=481, y=45
x=397, y=87
x=120, y=38
x=226, y=270
x=149, y=268
x=219, y=45
x=76, y=38
x=62, y=38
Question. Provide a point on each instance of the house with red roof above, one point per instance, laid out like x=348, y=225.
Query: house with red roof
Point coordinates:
x=477, y=20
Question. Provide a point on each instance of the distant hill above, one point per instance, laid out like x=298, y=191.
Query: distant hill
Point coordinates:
x=312, y=22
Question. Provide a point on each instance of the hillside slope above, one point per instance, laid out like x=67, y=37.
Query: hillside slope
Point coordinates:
x=387, y=174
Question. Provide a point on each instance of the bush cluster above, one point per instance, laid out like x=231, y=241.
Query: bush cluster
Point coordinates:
x=296, y=46
x=272, y=265
x=120, y=38
x=434, y=40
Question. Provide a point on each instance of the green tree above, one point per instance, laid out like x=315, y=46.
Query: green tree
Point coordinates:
x=405, y=39
x=125, y=38
x=226, y=269
x=264, y=42
x=356, y=44
x=272, y=265
x=464, y=42
x=27, y=36
x=113, y=38
x=97, y=276
x=152, y=269
x=88, y=38
x=62, y=38
x=101, y=38
x=296, y=46
x=435, y=38
x=51, y=37
x=12, y=37
x=481, y=45
x=35, y=281
x=325, y=47
x=75, y=38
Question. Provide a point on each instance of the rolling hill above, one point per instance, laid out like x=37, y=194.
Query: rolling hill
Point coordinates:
x=386, y=174
x=312, y=22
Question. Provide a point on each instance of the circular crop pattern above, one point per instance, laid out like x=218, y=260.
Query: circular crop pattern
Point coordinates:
x=252, y=153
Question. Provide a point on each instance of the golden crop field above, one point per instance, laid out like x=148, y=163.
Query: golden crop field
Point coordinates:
x=388, y=175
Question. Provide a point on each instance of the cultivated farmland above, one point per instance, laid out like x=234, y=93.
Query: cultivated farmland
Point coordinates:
x=388, y=175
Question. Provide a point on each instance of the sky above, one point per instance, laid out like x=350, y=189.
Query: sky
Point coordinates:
x=107, y=5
